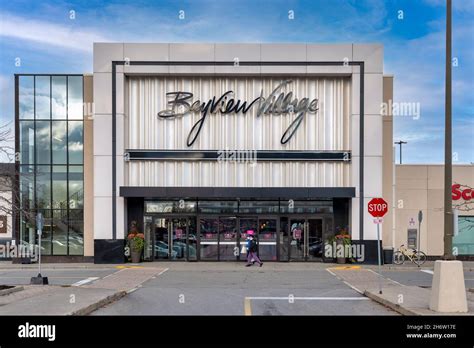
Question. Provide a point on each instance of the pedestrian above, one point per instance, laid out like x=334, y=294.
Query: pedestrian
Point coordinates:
x=252, y=248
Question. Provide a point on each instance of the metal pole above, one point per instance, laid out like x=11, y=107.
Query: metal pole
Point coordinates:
x=448, y=216
x=400, y=152
x=378, y=256
x=393, y=196
x=39, y=252
x=419, y=235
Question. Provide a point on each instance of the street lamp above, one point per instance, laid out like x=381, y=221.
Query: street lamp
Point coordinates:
x=400, y=143
x=448, y=165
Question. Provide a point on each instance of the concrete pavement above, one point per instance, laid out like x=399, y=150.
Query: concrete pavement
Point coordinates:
x=226, y=288
x=407, y=300
x=79, y=299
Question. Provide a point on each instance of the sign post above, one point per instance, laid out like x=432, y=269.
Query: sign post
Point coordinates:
x=420, y=219
x=39, y=279
x=378, y=207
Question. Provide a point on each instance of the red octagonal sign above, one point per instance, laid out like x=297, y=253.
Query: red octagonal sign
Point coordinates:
x=377, y=207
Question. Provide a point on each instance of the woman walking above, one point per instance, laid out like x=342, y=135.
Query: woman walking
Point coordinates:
x=252, y=248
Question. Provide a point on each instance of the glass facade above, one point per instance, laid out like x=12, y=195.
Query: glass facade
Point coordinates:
x=217, y=230
x=51, y=157
x=463, y=242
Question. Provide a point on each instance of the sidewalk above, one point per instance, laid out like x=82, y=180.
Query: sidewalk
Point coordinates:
x=75, y=300
x=406, y=300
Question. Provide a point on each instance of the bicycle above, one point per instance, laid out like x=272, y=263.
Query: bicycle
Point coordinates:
x=415, y=256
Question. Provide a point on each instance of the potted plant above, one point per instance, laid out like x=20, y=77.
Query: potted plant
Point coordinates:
x=136, y=243
x=338, y=243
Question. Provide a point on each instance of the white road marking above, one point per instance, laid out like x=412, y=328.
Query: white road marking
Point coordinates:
x=85, y=281
x=342, y=280
x=427, y=271
x=163, y=271
x=287, y=298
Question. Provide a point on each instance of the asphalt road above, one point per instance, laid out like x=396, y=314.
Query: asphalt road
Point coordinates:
x=244, y=291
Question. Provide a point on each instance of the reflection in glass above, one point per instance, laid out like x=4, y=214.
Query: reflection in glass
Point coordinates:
x=43, y=187
x=58, y=97
x=259, y=207
x=208, y=234
x=27, y=142
x=74, y=97
x=26, y=97
x=43, y=139
x=170, y=206
x=59, y=187
x=59, y=228
x=267, y=234
x=284, y=239
x=76, y=232
x=76, y=187
x=192, y=240
x=46, y=234
x=227, y=238
x=59, y=141
x=27, y=231
x=75, y=142
x=218, y=207
x=27, y=188
x=162, y=241
x=42, y=97
x=311, y=207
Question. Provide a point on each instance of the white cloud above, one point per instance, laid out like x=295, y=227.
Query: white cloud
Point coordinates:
x=46, y=33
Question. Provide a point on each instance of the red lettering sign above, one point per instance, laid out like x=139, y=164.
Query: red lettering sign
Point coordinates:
x=457, y=193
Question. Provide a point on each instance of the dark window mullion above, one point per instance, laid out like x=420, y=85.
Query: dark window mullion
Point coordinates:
x=35, y=169
x=67, y=165
x=51, y=160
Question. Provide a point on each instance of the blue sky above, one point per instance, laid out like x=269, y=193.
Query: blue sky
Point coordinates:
x=46, y=40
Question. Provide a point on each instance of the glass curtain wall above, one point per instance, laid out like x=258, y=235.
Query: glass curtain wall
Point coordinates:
x=51, y=133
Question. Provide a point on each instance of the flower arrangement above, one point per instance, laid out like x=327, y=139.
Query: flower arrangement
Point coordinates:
x=137, y=241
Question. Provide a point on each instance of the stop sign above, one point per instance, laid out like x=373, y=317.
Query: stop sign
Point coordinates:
x=377, y=207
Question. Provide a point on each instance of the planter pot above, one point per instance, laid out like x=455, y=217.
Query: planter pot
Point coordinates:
x=340, y=260
x=136, y=256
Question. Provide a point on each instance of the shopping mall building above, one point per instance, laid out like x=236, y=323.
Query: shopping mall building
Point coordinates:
x=199, y=143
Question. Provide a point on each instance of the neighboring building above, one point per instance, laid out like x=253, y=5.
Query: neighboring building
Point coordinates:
x=7, y=177
x=196, y=183
x=419, y=187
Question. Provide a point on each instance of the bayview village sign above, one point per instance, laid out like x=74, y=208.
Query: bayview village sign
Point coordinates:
x=277, y=103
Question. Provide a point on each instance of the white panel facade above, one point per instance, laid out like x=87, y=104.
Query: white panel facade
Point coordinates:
x=325, y=130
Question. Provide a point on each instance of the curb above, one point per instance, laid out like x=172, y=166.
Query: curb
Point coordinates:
x=11, y=290
x=95, y=306
x=391, y=305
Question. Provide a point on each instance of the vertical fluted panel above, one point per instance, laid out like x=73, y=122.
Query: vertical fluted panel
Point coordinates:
x=326, y=130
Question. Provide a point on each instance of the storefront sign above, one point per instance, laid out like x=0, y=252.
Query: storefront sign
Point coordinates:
x=457, y=193
x=277, y=103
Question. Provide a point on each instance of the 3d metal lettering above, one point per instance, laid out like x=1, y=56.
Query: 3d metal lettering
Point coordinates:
x=277, y=103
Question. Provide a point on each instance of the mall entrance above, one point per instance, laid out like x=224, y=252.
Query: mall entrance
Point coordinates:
x=223, y=237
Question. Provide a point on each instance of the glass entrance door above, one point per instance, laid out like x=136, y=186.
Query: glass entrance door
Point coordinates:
x=169, y=238
x=267, y=239
x=228, y=249
x=306, y=239
x=297, y=238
